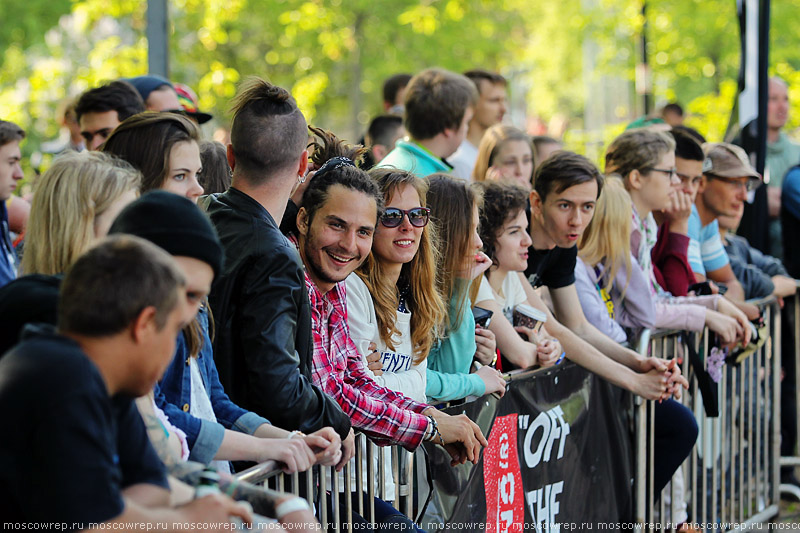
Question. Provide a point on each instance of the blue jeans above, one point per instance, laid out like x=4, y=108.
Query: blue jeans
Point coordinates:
x=675, y=435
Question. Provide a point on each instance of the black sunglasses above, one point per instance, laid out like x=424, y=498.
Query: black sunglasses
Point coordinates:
x=417, y=216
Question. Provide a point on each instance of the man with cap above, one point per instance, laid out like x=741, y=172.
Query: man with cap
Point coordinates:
x=190, y=392
x=727, y=178
x=157, y=93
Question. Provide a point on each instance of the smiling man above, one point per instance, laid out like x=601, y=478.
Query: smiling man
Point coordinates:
x=10, y=174
x=335, y=227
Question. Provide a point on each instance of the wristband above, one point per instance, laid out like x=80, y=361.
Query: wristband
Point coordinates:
x=294, y=434
x=290, y=506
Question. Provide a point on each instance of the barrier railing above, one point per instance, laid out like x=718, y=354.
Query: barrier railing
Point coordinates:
x=328, y=490
x=731, y=478
x=794, y=460
x=729, y=481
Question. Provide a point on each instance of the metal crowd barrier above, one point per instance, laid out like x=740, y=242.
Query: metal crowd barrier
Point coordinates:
x=729, y=481
x=794, y=460
x=336, y=507
x=731, y=478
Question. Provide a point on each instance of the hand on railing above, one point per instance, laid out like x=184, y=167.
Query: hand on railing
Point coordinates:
x=462, y=437
x=728, y=329
x=726, y=307
x=295, y=454
x=326, y=445
x=348, y=450
x=548, y=351
x=659, y=379
x=492, y=379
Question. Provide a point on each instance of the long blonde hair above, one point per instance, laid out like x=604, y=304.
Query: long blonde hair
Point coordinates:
x=606, y=240
x=67, y=200
x=424, y=302
x=492, y=142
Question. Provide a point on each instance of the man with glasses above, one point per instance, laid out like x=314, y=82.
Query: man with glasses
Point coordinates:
x=727, y=177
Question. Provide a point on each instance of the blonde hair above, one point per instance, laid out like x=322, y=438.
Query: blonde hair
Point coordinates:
x=426, y=305
x=606, y=240
x=67, y=200
x=492, y=142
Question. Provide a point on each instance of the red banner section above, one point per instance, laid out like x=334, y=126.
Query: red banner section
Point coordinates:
x=505, y=501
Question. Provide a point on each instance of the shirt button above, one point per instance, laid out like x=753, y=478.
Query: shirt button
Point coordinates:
x=186, y=408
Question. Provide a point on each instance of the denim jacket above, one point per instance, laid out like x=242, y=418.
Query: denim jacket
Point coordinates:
x=174, y=392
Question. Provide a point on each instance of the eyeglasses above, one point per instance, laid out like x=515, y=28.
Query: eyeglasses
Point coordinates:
x=417, y=216
x=671, y=171
x=749, y=183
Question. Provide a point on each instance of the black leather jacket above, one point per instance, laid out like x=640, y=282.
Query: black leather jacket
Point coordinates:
x=262, y=340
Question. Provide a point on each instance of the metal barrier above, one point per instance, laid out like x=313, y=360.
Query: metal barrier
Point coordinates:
x=794, y=460
x=731, y=478
x=330, y=492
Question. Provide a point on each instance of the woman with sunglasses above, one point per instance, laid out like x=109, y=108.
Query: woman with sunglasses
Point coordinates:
x=455, y=208
x=391, y=299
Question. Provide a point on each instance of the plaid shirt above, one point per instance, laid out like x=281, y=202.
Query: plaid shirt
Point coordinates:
x=338, y=369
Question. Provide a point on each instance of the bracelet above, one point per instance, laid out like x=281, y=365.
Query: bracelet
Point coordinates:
x=294, y=434
x=435, y=432
x=290, y=506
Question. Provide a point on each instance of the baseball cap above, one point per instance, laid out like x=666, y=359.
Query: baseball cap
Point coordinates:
x=188, y=100
x=727, y=161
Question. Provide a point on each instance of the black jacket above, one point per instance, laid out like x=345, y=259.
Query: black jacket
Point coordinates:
x=262, y=340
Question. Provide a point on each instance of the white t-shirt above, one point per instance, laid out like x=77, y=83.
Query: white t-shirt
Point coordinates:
x=399, y=371
x=512, y=293
x=463, y=160
x=201, y=406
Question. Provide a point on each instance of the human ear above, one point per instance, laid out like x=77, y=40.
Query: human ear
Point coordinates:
x=303, y=166
x=231, y=158
x=302, y=221
x=635, y=180
x=144, y=325
x=536, y=202
x=703, y=183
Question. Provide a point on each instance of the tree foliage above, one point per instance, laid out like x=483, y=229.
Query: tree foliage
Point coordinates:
x=573, y=59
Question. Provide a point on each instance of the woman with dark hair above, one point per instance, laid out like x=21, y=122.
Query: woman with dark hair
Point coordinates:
x=164, y=148
x=504, y=232
x=455, y=208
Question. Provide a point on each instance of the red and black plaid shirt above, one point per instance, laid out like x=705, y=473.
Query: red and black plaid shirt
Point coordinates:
x=338, y=370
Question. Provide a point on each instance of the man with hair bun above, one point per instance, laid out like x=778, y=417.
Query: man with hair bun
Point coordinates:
x=262, y=343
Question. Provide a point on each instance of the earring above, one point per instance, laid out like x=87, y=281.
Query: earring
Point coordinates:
x=301, y=179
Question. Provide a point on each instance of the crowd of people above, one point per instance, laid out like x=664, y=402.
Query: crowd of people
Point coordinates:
x=169, y=304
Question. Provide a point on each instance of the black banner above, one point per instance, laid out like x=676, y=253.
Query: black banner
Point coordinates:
x=559, y=458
